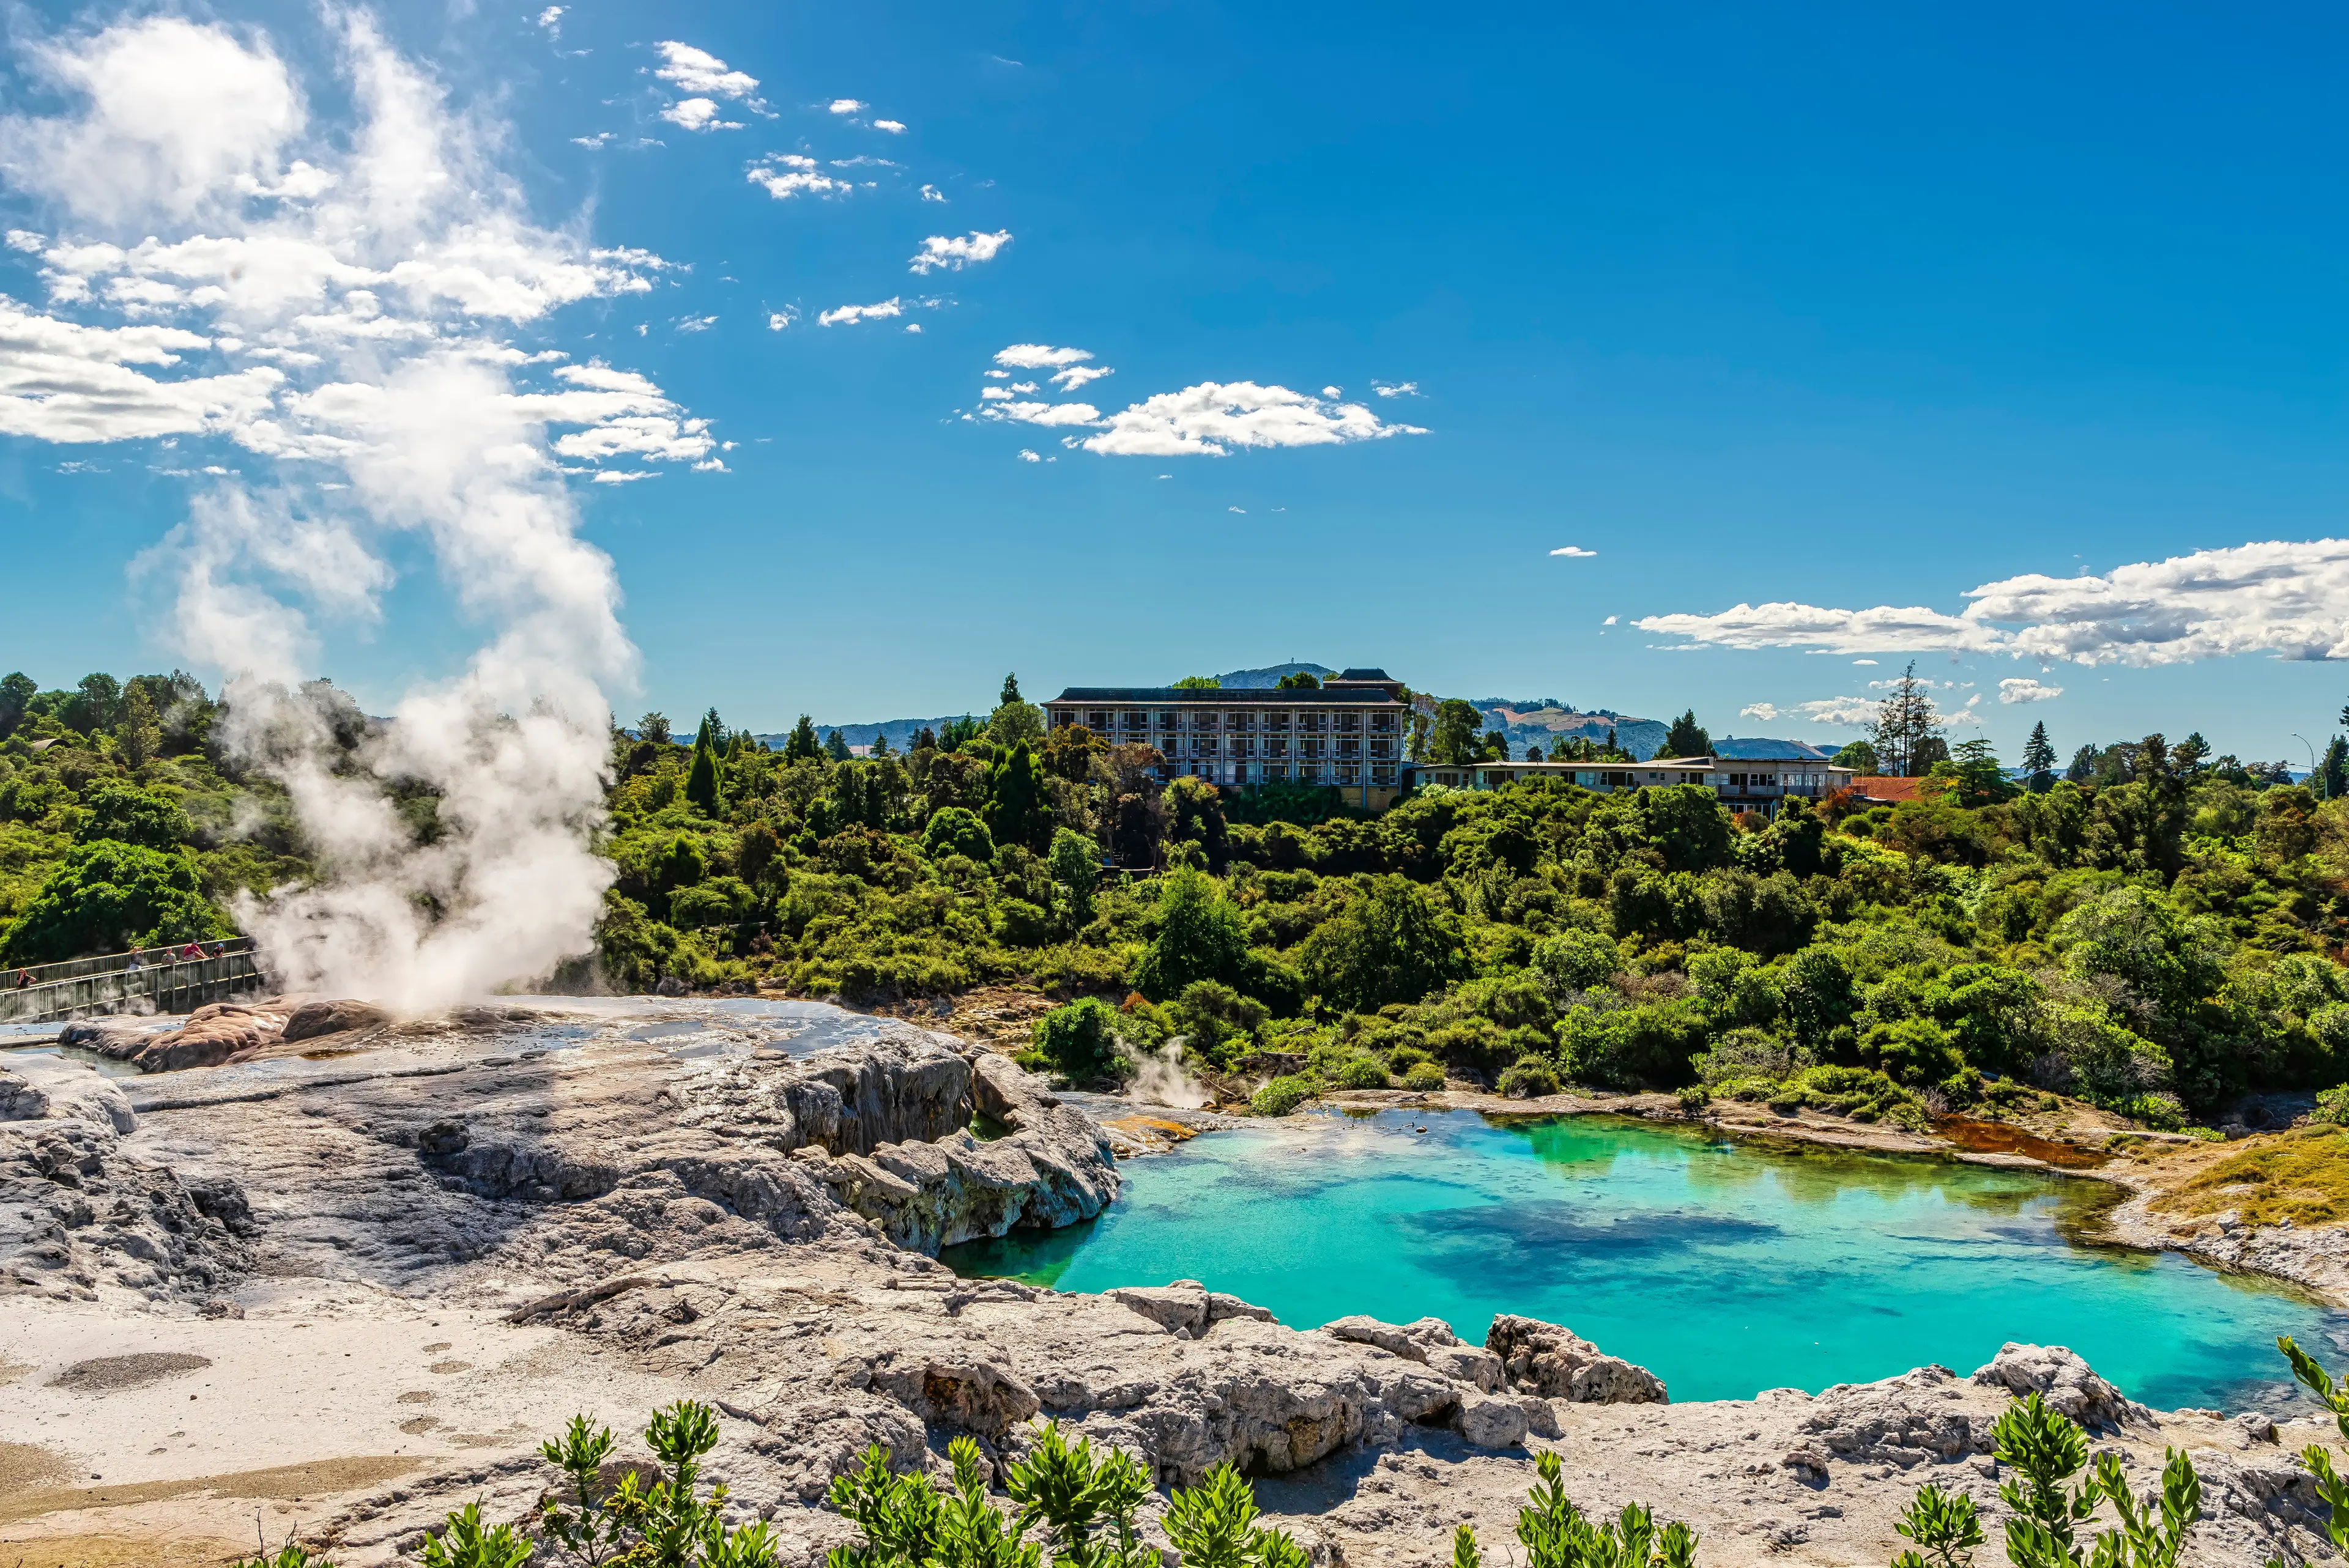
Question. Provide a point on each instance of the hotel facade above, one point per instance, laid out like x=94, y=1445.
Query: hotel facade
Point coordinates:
x=1347, y=733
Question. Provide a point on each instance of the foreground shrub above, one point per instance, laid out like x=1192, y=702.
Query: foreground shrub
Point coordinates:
x=1424, y=1076
x=1556, y=1534
x=1528, y=1077
x=1283, y=1095
x=1082, y=1502
x=1077, y=1041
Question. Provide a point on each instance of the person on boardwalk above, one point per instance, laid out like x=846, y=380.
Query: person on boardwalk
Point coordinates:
x=24, y=979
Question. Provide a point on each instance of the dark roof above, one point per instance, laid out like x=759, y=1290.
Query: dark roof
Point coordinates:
x=1731, y=748
x=1214, y=696
x=1351, y=676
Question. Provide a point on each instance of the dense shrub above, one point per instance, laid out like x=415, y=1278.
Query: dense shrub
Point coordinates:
x=1077, y=1041
x=1528, y=1077
x=1283, y=1095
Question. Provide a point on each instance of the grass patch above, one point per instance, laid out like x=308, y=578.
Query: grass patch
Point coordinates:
x=2302, y=1176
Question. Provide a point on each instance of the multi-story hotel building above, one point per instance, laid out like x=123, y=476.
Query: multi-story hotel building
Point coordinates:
x=1743, y=784
x=1347, y=733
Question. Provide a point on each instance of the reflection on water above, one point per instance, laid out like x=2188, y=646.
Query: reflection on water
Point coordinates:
x=1726, y=1267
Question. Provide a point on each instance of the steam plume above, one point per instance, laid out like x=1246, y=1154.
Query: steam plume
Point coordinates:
x=345, y=318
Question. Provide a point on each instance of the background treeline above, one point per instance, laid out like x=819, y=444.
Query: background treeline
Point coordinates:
x=2158, y=938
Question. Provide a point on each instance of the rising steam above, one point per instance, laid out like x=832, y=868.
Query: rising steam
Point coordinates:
x=346, y=318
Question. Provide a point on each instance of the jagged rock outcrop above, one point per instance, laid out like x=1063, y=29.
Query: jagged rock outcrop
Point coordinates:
x=1915, y=1418
x=1480, y=1406
x=78, y=1216
x=1544, y=1358
x=2063, y=1380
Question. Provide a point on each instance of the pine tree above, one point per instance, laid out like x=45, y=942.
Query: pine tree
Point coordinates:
x=2332, y=775
x=880, y=745
x=139, y=737
x=1017, y=807
x=802, y=746
x=835, y=747
x=1686, y=737
x=1011, y=690
x=2084, y=765
x=701, y=783
x=2039, y=759
x=1907, y=727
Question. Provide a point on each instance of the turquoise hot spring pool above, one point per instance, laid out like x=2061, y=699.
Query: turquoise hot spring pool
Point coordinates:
x=1724, y=1268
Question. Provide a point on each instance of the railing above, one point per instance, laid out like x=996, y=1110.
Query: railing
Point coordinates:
x=173, y=984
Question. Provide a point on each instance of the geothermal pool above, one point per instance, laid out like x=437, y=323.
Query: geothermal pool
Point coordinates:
x=1724, y=1268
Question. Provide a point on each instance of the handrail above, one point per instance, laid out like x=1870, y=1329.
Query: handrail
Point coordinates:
x=175, y=984
x=108, y=963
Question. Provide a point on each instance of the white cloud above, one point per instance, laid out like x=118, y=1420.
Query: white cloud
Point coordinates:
x=848, y=106
x=1847, y=712
x=998, y=375
x=1023, y=387
x=624, y=476
x=1575, y=550
x=850, y=314
x=1036, y=356
x=1863, y=661
x=1057, y=415
x=1241, y=510
x=955, y=251
x=913, y=327
x=552, y=20
x=64, y=382
x=784, y=175
x=1395, y=388
x=1333, y=391
x=1609, y=621
x=696, y=322
x=1212, y=418
x=777, y=320
x=701, y=74
x=27, y=239
x=181, y=119
x=1077, y=376
x=2026, y=690
x=1764, y=711
x=2280, y=597
x=931, y=193
x=1027, y=457
x=697, y=114
x=596, y=141
x=894, y=127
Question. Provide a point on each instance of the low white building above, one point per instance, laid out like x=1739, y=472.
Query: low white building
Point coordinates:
x=1744, y=784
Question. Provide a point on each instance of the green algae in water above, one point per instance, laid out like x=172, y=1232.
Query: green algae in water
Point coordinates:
x=1726, y=1268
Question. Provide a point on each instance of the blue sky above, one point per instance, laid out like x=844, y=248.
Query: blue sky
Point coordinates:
x=1835, y=307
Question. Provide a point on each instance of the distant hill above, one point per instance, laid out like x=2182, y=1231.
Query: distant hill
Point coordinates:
x=1267, y=678
x=859, y=737
x=1543, y=721
x=1755, y=751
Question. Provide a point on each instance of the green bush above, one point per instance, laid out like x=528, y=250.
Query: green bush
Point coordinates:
x=1424, y=1076
x=1080, y=1041
x=1362, y=1071
x=1283, y=1095
x=1530, y=1077
x=106, y=897
x=2332, y=1106
x=957, y=831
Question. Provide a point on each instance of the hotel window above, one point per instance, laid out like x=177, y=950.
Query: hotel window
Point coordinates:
x=1098, y=721
x=1275, y=772
x=1239, y=721
x=1349, y=746
x=1276, y=723
x=1348, y=773
x=1351, y=722
x=1383, y=775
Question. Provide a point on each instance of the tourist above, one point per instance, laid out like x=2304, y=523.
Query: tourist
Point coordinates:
x=24, y=979
x=136, y=962
x=194, y=949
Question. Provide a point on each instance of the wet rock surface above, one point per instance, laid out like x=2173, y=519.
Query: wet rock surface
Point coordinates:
x=752, y=1224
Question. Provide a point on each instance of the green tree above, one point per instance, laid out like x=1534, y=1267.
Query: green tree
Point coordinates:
x=959, y=732
x=1079, y=1042
x=1200, y=937
x=2191, y=757
x=139, y=738
x=16, y=693
x=1195, y=813
x=701, y=782
x=2333, y=771
x=132, y=816
x=1018, y=808
x=835, y=747
x=105, y=897
x=653, y=728
x=1980, y=780
x=1198, y=682
x=1015, y=722
x=1075, y=865
x=1391, y=943
x=96, y=705
x=1858, y=756
x=801, y=744
x=1909, y=728
x=2039, y=759
x=1686, y=737
x=2084, y=766
x=954, y=830
x=1306, y=680
x=1454, y=737
x=1011, y=693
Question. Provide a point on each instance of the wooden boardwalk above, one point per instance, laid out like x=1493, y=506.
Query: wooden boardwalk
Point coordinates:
x=103, y=984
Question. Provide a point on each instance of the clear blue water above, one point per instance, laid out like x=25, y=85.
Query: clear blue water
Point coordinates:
x=1724, y=1268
